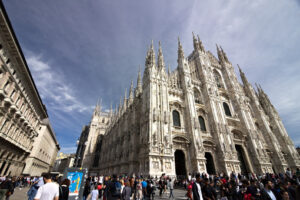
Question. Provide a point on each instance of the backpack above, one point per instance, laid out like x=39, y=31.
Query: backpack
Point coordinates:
x=116, y=191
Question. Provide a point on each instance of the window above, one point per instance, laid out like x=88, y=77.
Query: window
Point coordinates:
x=176, y=118
x=226, y=109
x=6, y=86
x=202, y=123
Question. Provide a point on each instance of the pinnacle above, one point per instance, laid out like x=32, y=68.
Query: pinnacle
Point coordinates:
x=194, y=37
x=152, y=48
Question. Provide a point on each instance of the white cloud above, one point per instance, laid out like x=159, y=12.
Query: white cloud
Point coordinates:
x=53, y=86
x=68, y=149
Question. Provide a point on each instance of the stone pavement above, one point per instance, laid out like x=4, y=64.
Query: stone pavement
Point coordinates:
x=20, y=194
x=178, y=194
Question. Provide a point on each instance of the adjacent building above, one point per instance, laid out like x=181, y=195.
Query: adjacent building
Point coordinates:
x=63, y=161
x=27, y=141
x=197, y=118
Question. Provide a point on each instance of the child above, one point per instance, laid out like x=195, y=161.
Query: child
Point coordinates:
x=94, y=194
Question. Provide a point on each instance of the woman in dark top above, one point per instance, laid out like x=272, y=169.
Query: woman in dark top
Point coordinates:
x=64, y=189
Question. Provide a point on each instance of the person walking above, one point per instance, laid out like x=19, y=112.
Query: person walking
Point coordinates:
x=122, y=187
x=34, y=188
x=64, y=189
x=48, y=191
x=126, y=193
x=99, y=187
x=161, y=186
x=189, y=193
x=94, y=194
x=113, y=189
x=171, y=187
x=139, y=192
x=8, y=187
x=197, y=193
x=86, y=190
x=144, y=188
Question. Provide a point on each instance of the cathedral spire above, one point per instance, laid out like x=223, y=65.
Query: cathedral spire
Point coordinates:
x=180, y=52
x=125, y=100
x=243, y=77
x=150, y=58
x=97, y=109
x=200, y=44
x=120, y=106
x=160, y=58
x=224, y=55
x=131, y=93
x=169, y=70
x=220, y=54
x=138, y=88
x=195, y=42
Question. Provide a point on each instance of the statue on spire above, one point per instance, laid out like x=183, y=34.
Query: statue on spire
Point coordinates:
x=131, y=93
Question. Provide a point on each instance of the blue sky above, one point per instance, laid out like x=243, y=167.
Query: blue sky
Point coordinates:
x=82, y=50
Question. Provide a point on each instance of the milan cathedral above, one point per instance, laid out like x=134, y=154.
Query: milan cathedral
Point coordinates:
x=198, y=118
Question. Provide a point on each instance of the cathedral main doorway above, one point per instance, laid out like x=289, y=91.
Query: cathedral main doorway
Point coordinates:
x=180, y=167
x=210, y=166
x=241, y=158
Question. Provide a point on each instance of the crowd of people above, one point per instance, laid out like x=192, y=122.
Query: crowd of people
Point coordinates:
x=282, y=186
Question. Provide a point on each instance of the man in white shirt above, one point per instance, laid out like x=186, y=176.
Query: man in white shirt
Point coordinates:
x=267, y=193
x=197, y=192
x=48, y=191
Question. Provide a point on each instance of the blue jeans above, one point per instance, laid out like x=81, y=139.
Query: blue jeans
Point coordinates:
x=171, y=194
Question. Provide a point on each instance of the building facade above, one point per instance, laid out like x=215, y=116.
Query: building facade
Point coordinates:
x=22, y=113
x=43, y=154
x=198, y=118
x=63, y=161
x=81, y=145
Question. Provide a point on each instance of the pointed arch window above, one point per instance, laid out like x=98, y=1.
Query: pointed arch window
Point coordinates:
x=176, y=118
x=226, y=109
x=202, y=123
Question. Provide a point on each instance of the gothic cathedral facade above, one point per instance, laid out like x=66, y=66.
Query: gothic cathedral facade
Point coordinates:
x=198, y=118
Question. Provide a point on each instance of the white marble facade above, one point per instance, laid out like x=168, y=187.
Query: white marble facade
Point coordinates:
x=198, y=118
x=27, y=142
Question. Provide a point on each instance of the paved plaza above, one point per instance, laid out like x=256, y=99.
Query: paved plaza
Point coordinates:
x=20, y=194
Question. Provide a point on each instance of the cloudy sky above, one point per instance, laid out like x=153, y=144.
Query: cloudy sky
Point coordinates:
x=82, y=50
